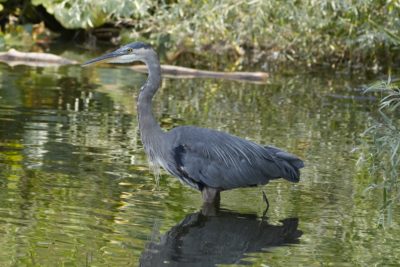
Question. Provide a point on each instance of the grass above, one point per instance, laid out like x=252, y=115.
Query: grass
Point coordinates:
x=381, y=147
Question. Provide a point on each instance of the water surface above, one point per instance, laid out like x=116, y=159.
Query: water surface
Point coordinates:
x=76, y=189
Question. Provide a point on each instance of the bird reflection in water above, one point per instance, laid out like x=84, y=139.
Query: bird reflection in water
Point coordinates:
x=225, y=237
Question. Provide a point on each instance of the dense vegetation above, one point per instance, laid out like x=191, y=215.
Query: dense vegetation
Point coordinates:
x=351, y=33
x=381, y=146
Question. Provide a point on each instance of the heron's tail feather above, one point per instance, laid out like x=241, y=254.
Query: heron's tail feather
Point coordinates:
x=290, y=163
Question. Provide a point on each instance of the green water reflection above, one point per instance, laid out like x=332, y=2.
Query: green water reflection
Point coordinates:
x=76, y=190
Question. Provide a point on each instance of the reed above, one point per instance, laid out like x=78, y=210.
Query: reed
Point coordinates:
x=381, y=147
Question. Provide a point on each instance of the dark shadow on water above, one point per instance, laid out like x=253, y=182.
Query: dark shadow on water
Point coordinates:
x=223, y=238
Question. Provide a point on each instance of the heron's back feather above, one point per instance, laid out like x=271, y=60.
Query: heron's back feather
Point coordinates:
x=204, y=157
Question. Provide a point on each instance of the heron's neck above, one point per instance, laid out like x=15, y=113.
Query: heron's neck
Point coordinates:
x=148, y=125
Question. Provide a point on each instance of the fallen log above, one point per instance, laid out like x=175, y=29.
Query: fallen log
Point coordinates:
x=14, y=57
x=183, y=72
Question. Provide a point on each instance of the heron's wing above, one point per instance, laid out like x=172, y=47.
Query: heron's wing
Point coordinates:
x=216, y=159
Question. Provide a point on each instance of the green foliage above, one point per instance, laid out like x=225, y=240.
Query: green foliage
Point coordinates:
x=310, y=31
x=381, y=147
x=17, y=36
x=23, y=36
x=88, y=14
x=331, y=32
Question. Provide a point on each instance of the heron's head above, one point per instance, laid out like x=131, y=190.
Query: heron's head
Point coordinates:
x=136, y=51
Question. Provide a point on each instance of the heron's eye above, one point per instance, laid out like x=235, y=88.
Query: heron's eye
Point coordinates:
x=129, y=50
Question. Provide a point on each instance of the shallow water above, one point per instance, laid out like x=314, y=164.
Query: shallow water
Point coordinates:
x=76, y=189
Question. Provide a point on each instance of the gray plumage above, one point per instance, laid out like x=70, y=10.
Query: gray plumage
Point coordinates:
x=201, y=158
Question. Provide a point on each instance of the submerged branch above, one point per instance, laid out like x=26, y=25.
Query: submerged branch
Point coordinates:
x=183, y=72
x=14, y=57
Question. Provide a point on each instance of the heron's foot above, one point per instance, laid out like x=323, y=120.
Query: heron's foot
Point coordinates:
x=266, y=202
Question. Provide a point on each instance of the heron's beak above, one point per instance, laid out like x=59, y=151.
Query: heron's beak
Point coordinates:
x=104, y=58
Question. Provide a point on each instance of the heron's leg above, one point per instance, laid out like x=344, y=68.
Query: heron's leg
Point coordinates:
x=210, y=209
x=266, y=201
x=211, y=201
x=211, y=195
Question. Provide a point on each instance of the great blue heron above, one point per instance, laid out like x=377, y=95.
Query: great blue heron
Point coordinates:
x=207, y=160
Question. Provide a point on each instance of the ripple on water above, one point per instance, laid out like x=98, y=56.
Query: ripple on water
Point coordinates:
x=76, y=189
